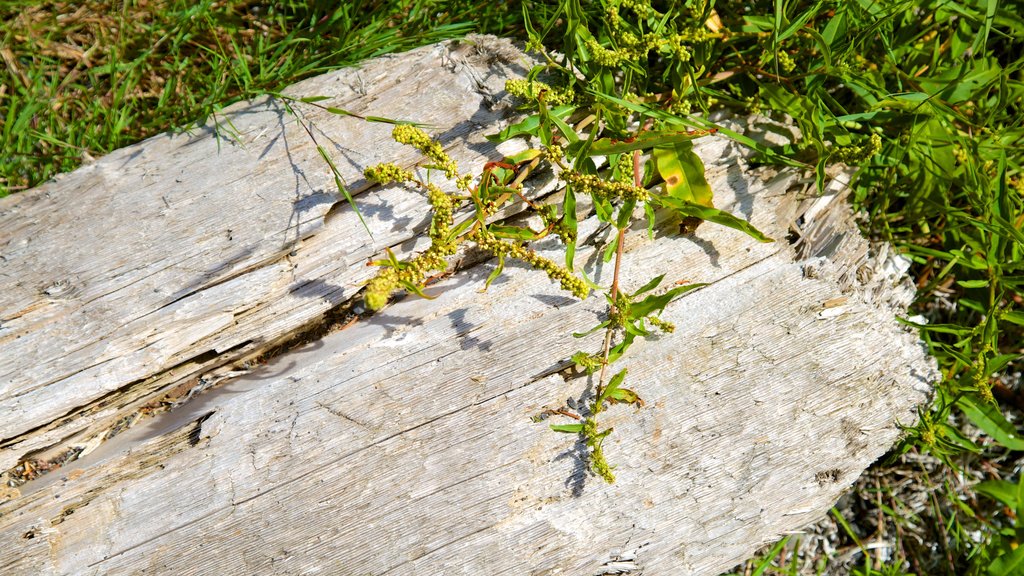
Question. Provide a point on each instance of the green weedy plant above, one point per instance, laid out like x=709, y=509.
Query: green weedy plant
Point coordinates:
x=625, y=73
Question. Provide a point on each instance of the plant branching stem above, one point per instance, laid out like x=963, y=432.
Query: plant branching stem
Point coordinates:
x=619, y=249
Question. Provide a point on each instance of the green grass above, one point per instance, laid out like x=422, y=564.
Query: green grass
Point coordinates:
x=925, y=96
x=81, y=79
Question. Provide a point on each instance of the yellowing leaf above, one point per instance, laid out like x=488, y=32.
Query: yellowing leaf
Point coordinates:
x=683, y=173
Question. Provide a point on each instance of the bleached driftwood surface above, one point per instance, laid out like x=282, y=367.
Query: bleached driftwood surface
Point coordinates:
x=404, y=444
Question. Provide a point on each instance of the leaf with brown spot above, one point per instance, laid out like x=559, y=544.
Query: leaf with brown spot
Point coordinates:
x=683, y=172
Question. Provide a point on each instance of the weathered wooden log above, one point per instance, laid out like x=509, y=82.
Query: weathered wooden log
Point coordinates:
x=405, y=444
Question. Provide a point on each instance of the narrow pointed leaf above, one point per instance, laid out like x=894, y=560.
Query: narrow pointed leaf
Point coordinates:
x=341, y=187
x=643, y=141
x=612, y=386
x=626, y=396
x=656, y=303
x=416, y=290
x=713, y=215
x=651, y=285
x=531, y=125
x=497, y=271
x=991, y=421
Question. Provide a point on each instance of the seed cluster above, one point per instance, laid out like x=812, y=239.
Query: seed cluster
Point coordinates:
x=418, y=139
x=598, y=463
x=624, y=168
x=531, y=91
x=589, y=362
x=593, y=184
x=633, y=48
x=566, y=279
x=549, y=215
x=444, y=216
x=663, y=325
x=387, y=173
x=408, y=274
x=857, y=154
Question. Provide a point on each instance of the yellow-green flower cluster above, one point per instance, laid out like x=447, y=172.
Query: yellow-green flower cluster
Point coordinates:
x=681, y=106
x=663, y=325
x=549, y=215
x=624, y=168
x=554, y=154
x=593, y=184
x=531, y=90
x=444, y=216
x=589, y=362
x=418, y=139
x=1018, y=185
x=677, y=46
x=611, y=58
x=642, y=8
x=387, y=173
x=841, y=68
x=856, y=154
x=566, y=279
x=390, y=279
x=785, y=61
x=598, y=463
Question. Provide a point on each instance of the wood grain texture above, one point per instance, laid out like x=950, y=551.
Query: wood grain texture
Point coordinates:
x=404, y=444
x=187, y=246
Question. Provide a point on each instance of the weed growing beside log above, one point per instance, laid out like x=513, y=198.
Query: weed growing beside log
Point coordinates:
x=613, y=137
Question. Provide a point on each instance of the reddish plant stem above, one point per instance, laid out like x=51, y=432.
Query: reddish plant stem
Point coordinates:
x=619, y=249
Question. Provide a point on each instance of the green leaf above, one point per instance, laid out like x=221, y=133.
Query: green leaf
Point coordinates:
x=1014, y=317
x=636, y=328
x=567, y=428
x=610, y=249
x=651, y=285
x=569, y=221
x=715, y=215
x=656, y=303
x=383, y=120
x=312, y=99
x=998, y=362
x=642, y=141
x=512, y=232
x=416, y=290
x=341, y=187
x=625, y=214
x=592, y=330
x=826, y=52
x=1000, y=490
x=625, y=395
x=612, y=386
x=524, y=156
x=496, y=272
x=991, y=421
x=683, y=172
x=619, y=349
x=1009, y=564
x=973, y=283
x=569, y=134
x=1019, y=509
x=942, y=328
x=531, y=125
